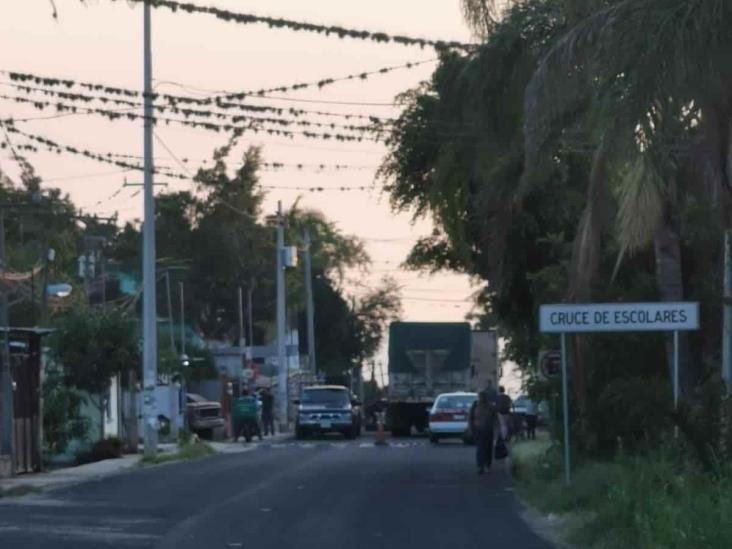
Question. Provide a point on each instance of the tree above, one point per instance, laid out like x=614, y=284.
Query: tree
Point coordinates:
x=652, y=80
x=93, y=346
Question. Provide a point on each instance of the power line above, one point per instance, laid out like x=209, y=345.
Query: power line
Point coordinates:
x=208, y=126
x=116, y=95
x=109, y=159
x=303, y=26
x=208, y=114
x=320, y=84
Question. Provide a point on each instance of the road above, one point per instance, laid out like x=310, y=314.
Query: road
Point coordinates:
x=313, y=495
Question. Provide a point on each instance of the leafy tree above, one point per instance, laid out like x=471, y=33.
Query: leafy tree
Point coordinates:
x=93, y=346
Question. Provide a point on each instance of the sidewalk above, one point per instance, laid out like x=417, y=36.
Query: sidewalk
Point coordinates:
x=70, y=475
x=101, y=469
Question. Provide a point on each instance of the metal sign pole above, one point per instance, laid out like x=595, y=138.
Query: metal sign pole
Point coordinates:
x=676, y=369
x=565, y=405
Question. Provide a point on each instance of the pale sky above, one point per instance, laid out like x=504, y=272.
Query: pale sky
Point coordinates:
x=103, y=43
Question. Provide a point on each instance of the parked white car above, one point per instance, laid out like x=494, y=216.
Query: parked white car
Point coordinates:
x=450, y=414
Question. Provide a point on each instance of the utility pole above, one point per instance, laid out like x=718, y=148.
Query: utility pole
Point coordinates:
x=242, y=340
x=149, y=314
x=7, y=439
x=312, y=368
x=182, y=319
x=281, y=320
x=174, y=404
x=183, y=356
x=171, y=321
x=250, y=314
x=727, y=317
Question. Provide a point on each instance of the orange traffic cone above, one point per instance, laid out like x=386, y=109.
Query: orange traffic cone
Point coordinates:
x=380, y=435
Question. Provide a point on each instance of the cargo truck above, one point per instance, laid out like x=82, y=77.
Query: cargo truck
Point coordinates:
x=430, y=358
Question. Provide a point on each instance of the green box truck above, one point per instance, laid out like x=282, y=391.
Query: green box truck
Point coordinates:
x=425, y=359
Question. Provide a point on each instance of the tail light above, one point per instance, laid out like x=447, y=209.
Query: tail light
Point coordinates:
x=441, y=416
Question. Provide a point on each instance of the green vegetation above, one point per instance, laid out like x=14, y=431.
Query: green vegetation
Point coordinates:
x=581, y=154
x=651, y=500
x=186, y=451
x=16, y=491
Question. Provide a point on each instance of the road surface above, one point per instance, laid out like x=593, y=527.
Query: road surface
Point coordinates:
x=307, y=495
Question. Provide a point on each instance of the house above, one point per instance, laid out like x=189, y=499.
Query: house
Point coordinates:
x=26, y=366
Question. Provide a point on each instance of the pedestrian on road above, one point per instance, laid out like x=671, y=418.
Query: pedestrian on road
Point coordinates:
x=504, y=413
x=531, y=413
x=482, y=420
x=268, y=412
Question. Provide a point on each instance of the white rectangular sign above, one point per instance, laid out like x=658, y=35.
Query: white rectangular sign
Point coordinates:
x=619, y=317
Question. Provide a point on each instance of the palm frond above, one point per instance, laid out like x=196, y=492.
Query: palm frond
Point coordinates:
x=640, y=205
x=586, y=252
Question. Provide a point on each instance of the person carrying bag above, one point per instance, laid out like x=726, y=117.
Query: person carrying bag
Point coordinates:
x=482, y=421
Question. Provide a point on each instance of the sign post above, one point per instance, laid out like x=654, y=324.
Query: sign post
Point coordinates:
x=615, y=317
x=565, y=407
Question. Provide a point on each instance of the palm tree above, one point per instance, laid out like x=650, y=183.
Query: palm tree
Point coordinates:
x=651, y=83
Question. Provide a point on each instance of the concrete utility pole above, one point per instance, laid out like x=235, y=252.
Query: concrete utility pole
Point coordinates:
x=312, y=368
x=727, y=305
x=171, y=321
x=149, y=314
x=281, y=323
x=250, y=314
x=182, y=319
x=7, y=440
x=242, y=340
x=183, y=357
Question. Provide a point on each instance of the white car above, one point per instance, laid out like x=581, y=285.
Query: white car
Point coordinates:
x=450, y=414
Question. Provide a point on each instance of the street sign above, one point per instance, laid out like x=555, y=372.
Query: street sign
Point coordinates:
x=619, y=317
x=614, y=317
x=550, y=363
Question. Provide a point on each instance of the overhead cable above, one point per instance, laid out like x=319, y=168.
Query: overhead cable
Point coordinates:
x=303, y=26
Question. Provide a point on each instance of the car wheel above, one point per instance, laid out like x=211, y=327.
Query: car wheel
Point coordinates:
x=434, y=439
x=350, y=434
x=299, y=433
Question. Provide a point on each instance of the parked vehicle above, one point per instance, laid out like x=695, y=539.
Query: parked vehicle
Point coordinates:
x=449, y=415
x=204, y=416
x=431, y=358
x=327, y=409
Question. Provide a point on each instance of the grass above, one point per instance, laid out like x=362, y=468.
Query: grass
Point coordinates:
x=655, y=501
x=185, y=452
x=16, y=491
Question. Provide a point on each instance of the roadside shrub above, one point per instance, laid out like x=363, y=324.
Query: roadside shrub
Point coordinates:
x=656, y=500
x=108, y=448
x=62, y=419
x=632, y=413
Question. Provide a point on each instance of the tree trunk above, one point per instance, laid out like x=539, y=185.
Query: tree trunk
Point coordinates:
x=669, y=281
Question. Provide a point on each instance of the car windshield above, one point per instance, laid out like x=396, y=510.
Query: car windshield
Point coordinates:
x=325, y=397
x=192, y=397
x=456, y=402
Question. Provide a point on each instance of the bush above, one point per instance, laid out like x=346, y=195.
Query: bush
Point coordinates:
x=108, y=448
x=194, y=449
x=652, y=501
x=62, y=420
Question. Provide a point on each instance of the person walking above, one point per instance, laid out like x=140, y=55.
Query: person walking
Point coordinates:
x=268, y=412
x=531, y=413
x=482, y=419
x=504, y=405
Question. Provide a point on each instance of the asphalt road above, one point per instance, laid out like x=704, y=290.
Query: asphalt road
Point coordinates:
x=314, y=495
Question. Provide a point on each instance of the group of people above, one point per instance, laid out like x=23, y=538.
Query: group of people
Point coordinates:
x=491, y=424
x=265, y=405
